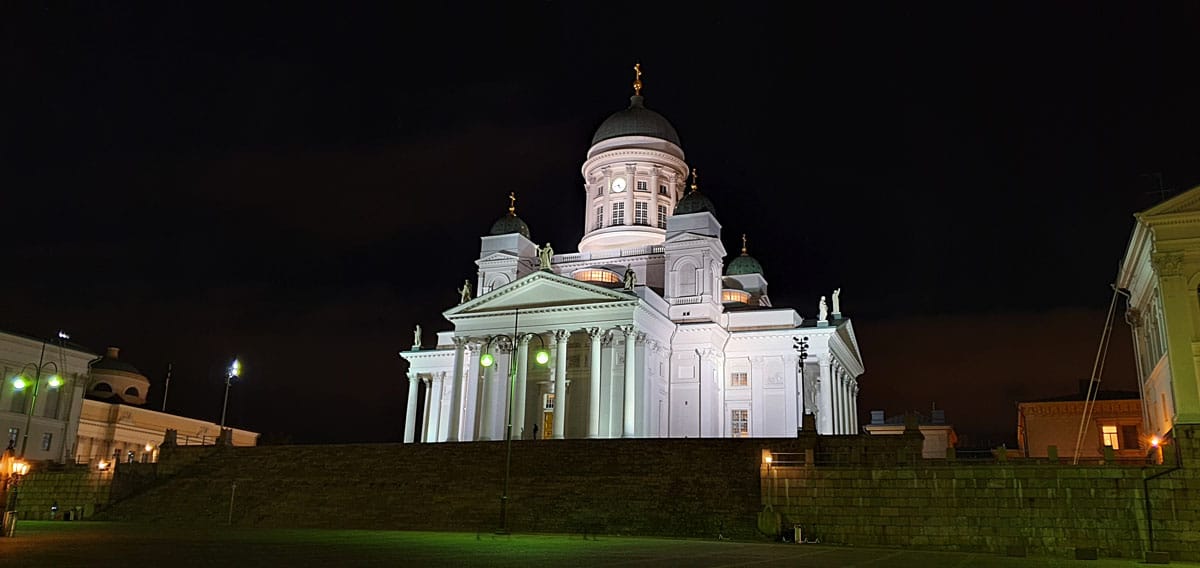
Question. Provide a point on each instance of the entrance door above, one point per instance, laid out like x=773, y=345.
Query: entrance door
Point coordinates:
x=547, y=425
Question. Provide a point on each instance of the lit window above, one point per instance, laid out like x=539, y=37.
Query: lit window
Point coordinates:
x=46, y=438
x=662, y=190
x=739, y=379
x=735, y=297
x=600, y=217
x=13, y=433
x=548, y=402
x=739, y=423
x=662, y=216
x=641, y=213
x=641, y=186
x=1110, y=436
x=597, y=275
x=618, y=216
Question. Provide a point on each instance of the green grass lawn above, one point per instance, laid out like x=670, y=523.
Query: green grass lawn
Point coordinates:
x=69, y=544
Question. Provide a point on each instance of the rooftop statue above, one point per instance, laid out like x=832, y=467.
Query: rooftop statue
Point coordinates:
x=544, y=255
x=465, y=292
x=822, y=310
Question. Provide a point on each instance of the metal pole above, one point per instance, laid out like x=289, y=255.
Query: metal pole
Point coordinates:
x=166, y=388
x=232, y=491
x=512, y=380
x=225, y=405
x=37, y=381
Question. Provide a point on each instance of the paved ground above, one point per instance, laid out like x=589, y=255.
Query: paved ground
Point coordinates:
x=68, y=544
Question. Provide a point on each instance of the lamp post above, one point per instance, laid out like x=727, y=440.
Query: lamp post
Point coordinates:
x=20, y=383
x=487, y=360
x=234, y=371
x=800, y=344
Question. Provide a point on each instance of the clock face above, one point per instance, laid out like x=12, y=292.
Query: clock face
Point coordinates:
x=618, y=185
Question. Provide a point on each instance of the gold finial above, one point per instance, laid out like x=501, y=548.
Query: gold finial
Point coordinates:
x=743, y=244
x=637, y=80
x=512, y=203
x=694, y=176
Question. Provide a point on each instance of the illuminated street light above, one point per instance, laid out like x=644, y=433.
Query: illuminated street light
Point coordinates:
x=21, y=381
x=234, y=372
x=542, y=356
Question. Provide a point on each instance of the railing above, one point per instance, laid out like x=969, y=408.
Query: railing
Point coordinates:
x=858, y=456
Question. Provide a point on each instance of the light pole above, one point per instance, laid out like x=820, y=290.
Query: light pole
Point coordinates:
x=800, y=344
x=487, y=360
x=234, y=371
x=20, y=383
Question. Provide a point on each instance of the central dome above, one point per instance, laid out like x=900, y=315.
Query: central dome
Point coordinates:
x=637, y=120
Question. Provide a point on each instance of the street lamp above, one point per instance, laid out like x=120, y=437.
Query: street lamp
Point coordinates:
x=487, y=360
x=20, y=382
x=234, y=371
x=800, y=344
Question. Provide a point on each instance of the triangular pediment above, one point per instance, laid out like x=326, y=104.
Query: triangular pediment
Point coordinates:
x=498, y=256
x=1184, y=203
x=538, y=290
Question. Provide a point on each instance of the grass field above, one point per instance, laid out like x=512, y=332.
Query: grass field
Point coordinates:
x=70, y=544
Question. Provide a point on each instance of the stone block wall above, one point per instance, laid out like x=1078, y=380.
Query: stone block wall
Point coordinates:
x=698, y=488
x=856, y=498
x=79, y=490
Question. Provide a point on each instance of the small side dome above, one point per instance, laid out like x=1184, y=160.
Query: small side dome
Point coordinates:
x=117, y=381
x=744, y=264
x=694, y=201
x=510, y=223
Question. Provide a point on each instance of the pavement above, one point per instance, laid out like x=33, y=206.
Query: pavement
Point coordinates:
x=70, y=544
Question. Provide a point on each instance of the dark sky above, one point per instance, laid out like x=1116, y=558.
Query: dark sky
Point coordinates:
x=300, y=186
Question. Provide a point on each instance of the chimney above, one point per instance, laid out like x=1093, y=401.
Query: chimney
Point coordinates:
x=876, y=417
x=938, y=416
x=111, y=353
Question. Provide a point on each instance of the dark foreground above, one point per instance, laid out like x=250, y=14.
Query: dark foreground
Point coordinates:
x=67, y=544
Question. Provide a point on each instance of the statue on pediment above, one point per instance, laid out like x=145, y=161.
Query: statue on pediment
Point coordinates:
x=464, y=292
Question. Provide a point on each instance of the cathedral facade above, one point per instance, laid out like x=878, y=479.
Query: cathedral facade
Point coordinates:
x=646, y=331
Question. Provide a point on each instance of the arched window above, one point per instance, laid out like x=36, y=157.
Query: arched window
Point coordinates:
x=596, y=276
x=102, y=387
x=131, y=391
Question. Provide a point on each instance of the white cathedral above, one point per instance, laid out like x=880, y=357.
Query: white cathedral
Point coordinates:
x=640, y=334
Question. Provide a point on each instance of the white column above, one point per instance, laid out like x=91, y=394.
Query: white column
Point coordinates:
x=629, y=426
x=825, y=395
x=854, y=403
x=410, y=415
x=435, y=417
x=425, y=417
x=457, y=383
x=594, y=386
x=560, y=383
x=847, y=405
x=487, y=400
x=518, y=402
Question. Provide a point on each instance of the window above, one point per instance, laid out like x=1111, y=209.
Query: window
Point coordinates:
x=600, y=217
x=641, y=213
x=131, y=391
x=662, y=190
x=599, y=190
x=1129, y=437
x=1110, y=436
x=102, y=387
x=18, y=401
x=1165, y=415
x=46, y=438
x=597, y=275
x=739, y=379
x=618, y=216
x=50, y=407
x=641, y=186
x=548, y=401
x=735, y=297
x=739, y=423
x=662, y=216
x=13, y=434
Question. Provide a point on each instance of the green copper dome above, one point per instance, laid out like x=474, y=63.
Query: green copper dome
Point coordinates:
x=694, y=202
x=510, y=224
x=636, y=120
x=744, y=264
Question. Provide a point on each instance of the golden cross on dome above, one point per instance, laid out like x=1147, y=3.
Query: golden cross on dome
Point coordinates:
x=637, y=80
x=512, y=203
x=743, y=243
x=694, y=177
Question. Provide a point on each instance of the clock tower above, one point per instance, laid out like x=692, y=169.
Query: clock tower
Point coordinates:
x=634, y=176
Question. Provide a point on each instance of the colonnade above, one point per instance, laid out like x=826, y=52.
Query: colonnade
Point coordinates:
x=440, y=384
x=843, y=394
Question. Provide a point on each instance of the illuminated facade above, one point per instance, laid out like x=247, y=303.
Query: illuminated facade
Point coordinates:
x=44, y=424
x=1160, y=277
x=650, y=333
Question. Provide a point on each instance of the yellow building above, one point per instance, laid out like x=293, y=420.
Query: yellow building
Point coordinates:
x=1114, y=420
x=1160, y=277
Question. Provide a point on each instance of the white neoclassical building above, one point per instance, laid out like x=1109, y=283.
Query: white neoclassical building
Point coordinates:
x=648, y=331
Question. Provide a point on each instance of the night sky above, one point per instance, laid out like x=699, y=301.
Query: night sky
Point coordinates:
x=302, y=186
